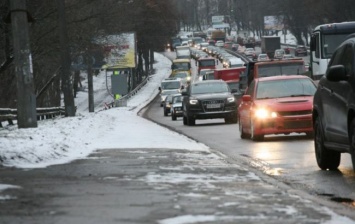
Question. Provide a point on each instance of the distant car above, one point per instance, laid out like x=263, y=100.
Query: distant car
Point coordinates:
x=203, y=73
x=235, y=47
x=208, y=100
x=184, y=77
x=250, y=52
x=301, y=50
x=219, y=43
x=263, y=57
x=176, y=106
x=287, y=56
x=209, y=75
x=279, y=53
x=169, y=86
x=167, y=104
x=277, y=105
x=333, y=109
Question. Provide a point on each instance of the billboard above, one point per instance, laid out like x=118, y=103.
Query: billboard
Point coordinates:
x=220, y=22
x=273, y=22
x=120, y=50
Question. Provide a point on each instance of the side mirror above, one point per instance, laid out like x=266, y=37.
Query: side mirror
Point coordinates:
x=246, y=98
x=336, y=73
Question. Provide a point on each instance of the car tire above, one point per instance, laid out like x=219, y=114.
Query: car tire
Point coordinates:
x=326, y=159
x=255, y=137
x=165, y=113
x=191, y=121
x=184, y=120
x=173, y=117
x=310, y=134
x=243, y=135
x=352, y=142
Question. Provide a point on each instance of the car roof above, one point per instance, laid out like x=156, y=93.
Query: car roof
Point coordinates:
x=181, y=60
x=282, y=77
x=206, y=58
x=208, y=81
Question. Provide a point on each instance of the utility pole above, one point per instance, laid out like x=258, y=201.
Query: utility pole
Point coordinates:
x=65, y=58
x=26, y=99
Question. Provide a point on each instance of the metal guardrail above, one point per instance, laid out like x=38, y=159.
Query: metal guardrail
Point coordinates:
x=123, y=100
x=9, y=115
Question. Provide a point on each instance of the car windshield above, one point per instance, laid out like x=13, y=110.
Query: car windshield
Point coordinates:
x=170, y=85
x=233, y=85
x=331, y=42
x=281, y=69
x=181, y=66
x=168, y=92
x=285, y=88
x=210, y=62
x=177, y=99
x=203, y=88
x=180, y=75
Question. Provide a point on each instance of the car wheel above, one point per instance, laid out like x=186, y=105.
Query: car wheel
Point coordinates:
x=255, y=137
x=352, y=142
x=243, y=135
x=191, y=121
x=184, y=120
x=326, y=159
x=165, y=113
x=173, y=117
x=310, y=134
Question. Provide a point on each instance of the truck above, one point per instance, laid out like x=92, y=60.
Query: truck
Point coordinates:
x=324, y=41
x=183, y=52
x=269, y=44
x=232, y=77
x=206, y=63
x=218, y=35
x=259, y=69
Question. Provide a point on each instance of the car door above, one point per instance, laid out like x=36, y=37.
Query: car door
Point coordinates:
x=339, y=98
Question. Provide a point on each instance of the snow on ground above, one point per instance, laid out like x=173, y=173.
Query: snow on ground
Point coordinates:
x=62, y=140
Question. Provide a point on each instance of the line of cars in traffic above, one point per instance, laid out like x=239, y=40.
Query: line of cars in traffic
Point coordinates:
x=290, y=102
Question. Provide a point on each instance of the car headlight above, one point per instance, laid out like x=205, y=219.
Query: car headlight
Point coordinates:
x=230, y=99
x=264, y=113
x=188, y=78
x=193, y=101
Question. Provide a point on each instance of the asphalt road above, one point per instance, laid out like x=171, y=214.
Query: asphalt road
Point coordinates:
x=290, y=159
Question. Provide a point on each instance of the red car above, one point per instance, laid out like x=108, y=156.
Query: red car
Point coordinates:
x=277, y=105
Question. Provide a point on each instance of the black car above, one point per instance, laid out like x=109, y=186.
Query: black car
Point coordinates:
x=301, y=50
x=334, y=109
x=208, y=100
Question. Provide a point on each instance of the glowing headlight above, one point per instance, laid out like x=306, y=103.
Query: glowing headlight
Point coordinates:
x=263, y=113
x=230, y=99
x=188, y=78
x=193, y=101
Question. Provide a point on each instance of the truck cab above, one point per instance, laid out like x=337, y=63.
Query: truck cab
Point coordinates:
x=206, y=63
x=254, y=69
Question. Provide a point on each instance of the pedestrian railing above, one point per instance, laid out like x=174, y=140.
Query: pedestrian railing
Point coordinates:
x=9, y=115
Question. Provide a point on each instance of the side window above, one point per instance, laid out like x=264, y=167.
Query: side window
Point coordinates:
x=250, y=90
x=335, y=60
x=347, y=59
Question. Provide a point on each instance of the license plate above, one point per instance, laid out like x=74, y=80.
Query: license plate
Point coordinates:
x=214, y=105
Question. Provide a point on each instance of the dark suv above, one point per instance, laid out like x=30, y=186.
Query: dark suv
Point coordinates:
x=301, y=50
x=334, y=109
x=207, y=100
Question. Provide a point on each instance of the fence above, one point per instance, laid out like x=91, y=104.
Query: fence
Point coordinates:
x=9, y=115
